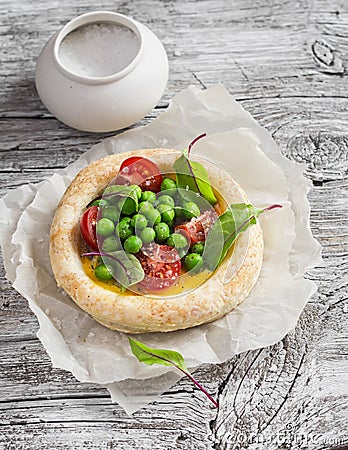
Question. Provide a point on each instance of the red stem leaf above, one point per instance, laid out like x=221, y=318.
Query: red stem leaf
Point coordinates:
x=195, y=140
x=200, y=387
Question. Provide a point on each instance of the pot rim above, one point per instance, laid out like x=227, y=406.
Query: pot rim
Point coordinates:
x=98, y=17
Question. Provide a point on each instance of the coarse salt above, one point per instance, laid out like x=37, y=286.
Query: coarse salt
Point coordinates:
x=98, y=49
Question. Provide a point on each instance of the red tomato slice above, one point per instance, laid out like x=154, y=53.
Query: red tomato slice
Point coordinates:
x=88, y=227
x=140, y=171
x=198, y=228
x=161, y=264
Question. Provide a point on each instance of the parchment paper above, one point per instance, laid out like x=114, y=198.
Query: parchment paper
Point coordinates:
x=75, y=342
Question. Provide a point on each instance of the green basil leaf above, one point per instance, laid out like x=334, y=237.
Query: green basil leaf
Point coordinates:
x=192, y=175
x=236, y=219
x=151, y=356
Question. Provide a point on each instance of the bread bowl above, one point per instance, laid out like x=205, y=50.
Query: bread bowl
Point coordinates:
x=133, y=312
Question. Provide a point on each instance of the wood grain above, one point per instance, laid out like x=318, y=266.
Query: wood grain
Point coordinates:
x=286, y=62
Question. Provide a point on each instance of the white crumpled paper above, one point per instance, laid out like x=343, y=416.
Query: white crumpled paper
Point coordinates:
x=92, y=353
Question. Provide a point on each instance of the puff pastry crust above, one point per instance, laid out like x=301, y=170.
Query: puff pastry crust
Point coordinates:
x=221, y=293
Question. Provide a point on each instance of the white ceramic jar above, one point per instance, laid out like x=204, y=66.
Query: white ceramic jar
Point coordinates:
x=103, y=103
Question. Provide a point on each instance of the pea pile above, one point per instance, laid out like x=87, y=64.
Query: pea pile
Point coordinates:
x=143, y=218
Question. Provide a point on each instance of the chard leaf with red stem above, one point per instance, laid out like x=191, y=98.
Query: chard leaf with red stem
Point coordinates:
x=192, y=175
x=225, y=230
x=151, y=356
x=127, y=269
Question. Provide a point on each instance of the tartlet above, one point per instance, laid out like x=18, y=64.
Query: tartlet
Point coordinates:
x=227, y=286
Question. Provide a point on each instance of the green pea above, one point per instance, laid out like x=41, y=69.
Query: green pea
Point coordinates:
x=105, y=227
x=132, y=244
x=124, y=228
x=126, y=220
x=153, y=216
x=128, y=206
x=148, y=196
x=162, y=232
x=168, y=184
x=99, y=202
x=165, y=200
x=103, y=272
x=95, y=203
x=179, y=212
x=147, y=235
x=137, y=190
x=177, y=240
x=111, y=212
x=144, y=207
x=138, y=222
x=193, y=261
x=191, y=210
x=111, y=244
x=198, y=248
x=167, y=212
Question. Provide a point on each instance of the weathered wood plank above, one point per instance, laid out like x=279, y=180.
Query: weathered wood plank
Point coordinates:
x=281, y=383
x=272, y=50
x=45, y=143
x=279, y=397
x=308, y=130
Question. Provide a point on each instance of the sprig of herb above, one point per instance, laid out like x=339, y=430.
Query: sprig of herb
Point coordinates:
x=151, y=356
x=192, y=176
x=225, y=230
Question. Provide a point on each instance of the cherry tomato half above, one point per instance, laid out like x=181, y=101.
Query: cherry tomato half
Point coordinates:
x=88, y=227
x=197, y=229
x=161, y=264
x=140, y=171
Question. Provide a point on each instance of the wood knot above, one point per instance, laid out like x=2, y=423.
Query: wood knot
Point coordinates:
x=327, y=58
x=325, y=153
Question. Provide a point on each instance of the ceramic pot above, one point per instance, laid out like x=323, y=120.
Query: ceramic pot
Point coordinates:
x=105, y=103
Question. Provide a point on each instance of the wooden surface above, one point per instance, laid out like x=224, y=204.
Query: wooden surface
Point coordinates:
x=286, y=62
